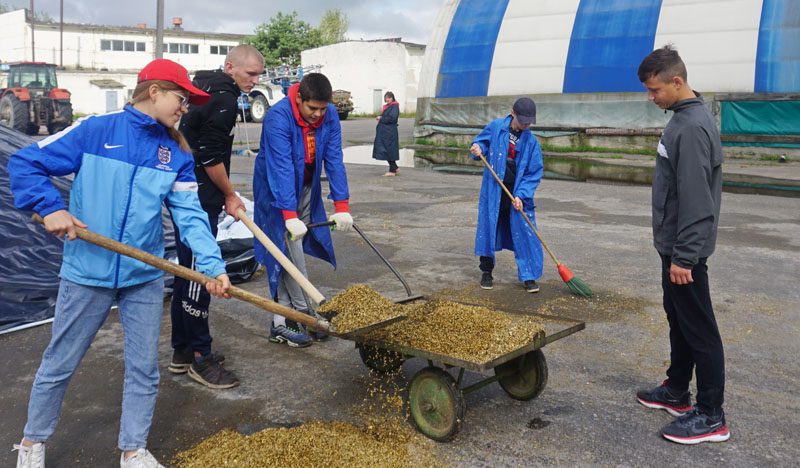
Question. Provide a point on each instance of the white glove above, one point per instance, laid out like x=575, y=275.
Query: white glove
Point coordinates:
x=344, y=222
x=297, y=229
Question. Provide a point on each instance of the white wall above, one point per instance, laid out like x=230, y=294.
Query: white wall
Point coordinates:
x=90, y=99
x=362, y=67
x=13, y=37
x=434, y=49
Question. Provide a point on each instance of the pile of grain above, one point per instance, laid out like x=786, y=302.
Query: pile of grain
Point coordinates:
x=470, y=333
x=321, y=444
x=359, y=306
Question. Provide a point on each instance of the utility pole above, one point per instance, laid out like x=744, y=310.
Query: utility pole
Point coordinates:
x=159, y=52
x=33, y=42
x=61, y=37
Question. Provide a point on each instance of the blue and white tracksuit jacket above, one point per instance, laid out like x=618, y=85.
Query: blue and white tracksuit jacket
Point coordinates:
x=126, y=166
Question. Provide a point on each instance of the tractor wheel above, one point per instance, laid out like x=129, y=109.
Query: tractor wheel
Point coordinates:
x=258, y=108
x=14, y=113
x=32, y=129
x=343, y=115
x=64, y=119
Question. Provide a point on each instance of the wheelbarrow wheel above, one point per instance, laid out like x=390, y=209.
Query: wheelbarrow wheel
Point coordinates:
x=436, y=404
x=380, y=360
x=525, y=377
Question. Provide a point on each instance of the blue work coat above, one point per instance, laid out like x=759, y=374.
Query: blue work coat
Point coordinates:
x=516, y=235
x=278, y=182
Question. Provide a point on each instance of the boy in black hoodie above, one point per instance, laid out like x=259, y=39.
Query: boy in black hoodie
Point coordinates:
x=687, y=192
x=209, y=131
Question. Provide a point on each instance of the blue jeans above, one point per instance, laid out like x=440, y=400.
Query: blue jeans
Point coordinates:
x=80, y=312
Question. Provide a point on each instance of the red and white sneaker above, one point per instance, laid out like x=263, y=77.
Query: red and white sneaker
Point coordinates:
x=662, y=397
x=696, y=427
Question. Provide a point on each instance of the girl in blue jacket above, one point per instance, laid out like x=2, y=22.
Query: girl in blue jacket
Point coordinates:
x=126, y=165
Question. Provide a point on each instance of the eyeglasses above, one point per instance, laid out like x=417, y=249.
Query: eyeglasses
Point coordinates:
x=183, y=97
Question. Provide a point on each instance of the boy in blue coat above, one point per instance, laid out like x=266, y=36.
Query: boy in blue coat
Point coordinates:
x=515, y=155
x=301, y=134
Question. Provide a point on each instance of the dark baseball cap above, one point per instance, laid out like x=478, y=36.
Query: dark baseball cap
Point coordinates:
x=525, y=109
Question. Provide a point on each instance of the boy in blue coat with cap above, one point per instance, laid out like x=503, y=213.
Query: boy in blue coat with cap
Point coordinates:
x=515, y=155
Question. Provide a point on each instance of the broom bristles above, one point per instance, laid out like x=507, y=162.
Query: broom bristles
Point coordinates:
x=577, y=286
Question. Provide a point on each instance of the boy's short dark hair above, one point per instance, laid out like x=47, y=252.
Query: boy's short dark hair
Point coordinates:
x=315, y=87
x=663, y=63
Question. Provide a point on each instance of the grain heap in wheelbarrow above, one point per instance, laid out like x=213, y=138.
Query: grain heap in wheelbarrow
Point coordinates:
x=360, y=306
x=468, y=332
x=471, y=333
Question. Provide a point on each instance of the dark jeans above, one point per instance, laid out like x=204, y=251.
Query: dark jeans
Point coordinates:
x=190, y=300
x=392, y=166
x=504, y=216
x=694, y=338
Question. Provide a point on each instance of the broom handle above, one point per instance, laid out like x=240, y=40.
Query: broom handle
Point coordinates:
x=544, y=244
x=287, y=265
x=192, y=275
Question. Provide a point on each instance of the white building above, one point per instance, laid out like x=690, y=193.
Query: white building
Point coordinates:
x=91, y=47
x=370, y=68
x=101, y=62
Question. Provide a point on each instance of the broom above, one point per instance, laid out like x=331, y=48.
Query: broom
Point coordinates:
x=575, y=284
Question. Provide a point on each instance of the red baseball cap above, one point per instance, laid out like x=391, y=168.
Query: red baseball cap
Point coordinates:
x=167, y=70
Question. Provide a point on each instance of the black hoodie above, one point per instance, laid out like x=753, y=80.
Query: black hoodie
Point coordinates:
x=209, y=131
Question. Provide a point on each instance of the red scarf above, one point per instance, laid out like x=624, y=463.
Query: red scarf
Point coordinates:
x=386, y=106
x=308, y=129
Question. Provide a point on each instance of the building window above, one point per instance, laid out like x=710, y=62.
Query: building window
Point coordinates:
x=179, y=48
x=220, y=49
x=123, y=46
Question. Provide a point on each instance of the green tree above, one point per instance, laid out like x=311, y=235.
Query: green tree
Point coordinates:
x=283, y=38
x=333, y=26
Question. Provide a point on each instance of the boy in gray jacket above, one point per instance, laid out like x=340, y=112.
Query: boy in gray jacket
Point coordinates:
x=687, y=189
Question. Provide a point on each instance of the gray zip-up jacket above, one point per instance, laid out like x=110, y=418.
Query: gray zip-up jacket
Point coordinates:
x=687, y=185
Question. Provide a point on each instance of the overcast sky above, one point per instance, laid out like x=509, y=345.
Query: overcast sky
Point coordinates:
x=410, y=19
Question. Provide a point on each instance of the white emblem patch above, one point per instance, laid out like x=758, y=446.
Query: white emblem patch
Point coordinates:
x=662, y=150
x=164, y=154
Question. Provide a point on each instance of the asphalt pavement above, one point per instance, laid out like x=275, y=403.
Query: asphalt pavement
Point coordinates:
x=423, y=221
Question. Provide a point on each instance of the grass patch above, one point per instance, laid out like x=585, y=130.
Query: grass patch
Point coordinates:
x=596, y=149
x=368, y=115
x=446, y=144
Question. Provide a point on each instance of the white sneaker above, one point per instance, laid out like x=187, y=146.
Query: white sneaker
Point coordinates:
x=142, y=459
x=30, y=457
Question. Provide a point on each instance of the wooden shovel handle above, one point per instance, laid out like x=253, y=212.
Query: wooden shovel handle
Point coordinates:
x=192, y=275
x=287, y=264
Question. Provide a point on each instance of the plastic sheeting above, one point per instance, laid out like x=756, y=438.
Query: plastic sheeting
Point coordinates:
x=554, y=111
x=31, y=258
x=761, y=117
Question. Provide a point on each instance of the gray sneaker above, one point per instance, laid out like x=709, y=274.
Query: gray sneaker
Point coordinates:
x=183, y=358
x=142, y=459
x=30, y=457
x=210, y=373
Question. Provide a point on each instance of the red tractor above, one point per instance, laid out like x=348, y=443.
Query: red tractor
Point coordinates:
x=32, y=98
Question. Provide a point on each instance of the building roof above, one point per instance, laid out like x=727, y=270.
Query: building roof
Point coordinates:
x=168, y=32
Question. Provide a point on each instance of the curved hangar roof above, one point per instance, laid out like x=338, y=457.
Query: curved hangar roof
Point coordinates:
x=505, y=47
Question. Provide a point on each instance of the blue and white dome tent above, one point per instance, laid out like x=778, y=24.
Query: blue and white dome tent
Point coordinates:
x=578, y=60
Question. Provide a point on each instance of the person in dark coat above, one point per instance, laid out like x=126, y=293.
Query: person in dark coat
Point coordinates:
x=387, y=144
